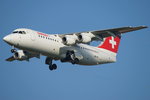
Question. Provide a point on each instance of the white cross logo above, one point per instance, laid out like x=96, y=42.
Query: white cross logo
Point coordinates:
x=112, y=42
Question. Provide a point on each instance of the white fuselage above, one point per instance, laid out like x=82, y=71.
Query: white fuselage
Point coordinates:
x=52, y=46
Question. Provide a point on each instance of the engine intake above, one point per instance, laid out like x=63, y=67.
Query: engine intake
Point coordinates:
x=20, y=55
x=85, y=37
x=69, y=39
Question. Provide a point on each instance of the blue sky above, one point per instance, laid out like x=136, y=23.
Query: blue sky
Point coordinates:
x=127, y=79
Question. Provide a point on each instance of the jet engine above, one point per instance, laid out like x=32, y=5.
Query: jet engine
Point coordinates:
x=69, y=39
x=85, y=37
x=21, y=55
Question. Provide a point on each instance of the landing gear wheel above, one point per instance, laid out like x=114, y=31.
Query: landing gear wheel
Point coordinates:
x=53, y=67
x=50, y=67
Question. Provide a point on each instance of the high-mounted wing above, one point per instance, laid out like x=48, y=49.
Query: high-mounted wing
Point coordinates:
x=86, y=37
x=116, y=31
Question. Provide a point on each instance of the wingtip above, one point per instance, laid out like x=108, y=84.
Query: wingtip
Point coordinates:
x=140, y=27
x=144, y=26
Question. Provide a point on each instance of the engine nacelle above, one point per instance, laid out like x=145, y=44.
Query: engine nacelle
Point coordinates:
x=85, y=37
x=69, y=39
x=20, y=55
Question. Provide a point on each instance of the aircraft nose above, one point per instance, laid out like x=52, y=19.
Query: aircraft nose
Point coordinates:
x=7, y=39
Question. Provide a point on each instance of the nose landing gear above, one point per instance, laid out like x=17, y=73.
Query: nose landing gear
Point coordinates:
x=48, y=61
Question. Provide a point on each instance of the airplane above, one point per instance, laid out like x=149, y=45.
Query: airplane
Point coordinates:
x=72, y=47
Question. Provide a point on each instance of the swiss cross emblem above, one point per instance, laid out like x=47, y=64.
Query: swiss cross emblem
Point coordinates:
x=112, y=42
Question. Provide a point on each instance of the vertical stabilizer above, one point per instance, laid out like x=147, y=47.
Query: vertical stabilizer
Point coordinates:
x=111, y=43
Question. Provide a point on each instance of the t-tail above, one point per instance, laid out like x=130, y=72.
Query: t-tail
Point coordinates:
x=110, y=46
x=112, y=42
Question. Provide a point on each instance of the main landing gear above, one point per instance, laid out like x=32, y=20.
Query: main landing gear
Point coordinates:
x=48, y=61
x=70, y=56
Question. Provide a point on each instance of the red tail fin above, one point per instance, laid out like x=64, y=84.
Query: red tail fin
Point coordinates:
x=111, y=43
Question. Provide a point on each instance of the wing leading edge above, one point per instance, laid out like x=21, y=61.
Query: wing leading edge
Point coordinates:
x=115, y=31
x=100, y=34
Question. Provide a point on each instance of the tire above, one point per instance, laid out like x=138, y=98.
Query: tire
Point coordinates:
x=54, y=66
x=50, y=68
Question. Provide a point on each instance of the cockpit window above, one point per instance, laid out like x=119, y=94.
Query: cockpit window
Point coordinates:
x=15, y=32
x=20, y=32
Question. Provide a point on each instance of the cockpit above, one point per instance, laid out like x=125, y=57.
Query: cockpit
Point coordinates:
x=20, y=32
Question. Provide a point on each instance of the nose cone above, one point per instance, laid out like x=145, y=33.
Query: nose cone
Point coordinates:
x=7, y=39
